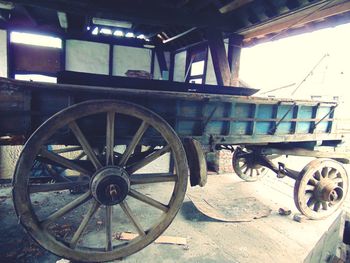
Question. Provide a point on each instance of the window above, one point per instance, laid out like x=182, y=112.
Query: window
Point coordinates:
x=35, y=40
x=36, y=77
x=196, y=65
x=197, y=68
x=196, y=81
x=45, y=50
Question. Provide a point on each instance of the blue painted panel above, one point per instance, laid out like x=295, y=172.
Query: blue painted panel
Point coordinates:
x=188, y=127
x=243, y=111
x=264, y=112
x=305, y=112
x=323, y=125
x=285, y=126
x=215, y=127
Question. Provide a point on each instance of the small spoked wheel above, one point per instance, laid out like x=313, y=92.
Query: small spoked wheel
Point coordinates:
x=321, y=188
x=246, y=167
x=117, y=194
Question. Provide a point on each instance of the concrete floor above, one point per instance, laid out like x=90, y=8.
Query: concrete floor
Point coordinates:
x=271, y=239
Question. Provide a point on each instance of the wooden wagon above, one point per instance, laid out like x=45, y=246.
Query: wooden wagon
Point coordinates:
x=117, y=129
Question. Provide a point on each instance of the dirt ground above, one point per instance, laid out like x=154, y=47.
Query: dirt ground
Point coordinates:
x=274, y=238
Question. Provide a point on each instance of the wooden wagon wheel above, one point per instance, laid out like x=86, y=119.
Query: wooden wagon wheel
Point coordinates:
x=112, y=185
x=245, y=167
x=321, y=188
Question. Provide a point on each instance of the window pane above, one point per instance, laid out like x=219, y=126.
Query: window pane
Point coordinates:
x=197, y=68
x=196, y=81
x=36, y=77
x=36, y=40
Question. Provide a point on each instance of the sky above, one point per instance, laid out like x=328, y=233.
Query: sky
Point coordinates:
x=286, y=61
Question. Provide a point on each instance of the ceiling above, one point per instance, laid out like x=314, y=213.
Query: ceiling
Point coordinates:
x=173, y=24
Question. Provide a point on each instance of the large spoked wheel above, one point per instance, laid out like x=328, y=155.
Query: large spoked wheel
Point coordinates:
x=246, y=167
x=321, y=188
x=114, y=198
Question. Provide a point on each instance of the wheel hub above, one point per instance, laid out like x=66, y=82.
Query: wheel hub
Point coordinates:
x=110, y=185
x=330, y=192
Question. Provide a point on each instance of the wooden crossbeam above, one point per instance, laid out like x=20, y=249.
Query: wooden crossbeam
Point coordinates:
x=233, y=5
x=303, y=17
x=145, y=13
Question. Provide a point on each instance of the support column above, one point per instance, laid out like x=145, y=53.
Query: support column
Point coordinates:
x=162, y=63
x=218, y=53
x=234, y=55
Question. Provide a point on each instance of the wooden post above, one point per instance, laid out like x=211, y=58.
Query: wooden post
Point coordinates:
x=218, y=54
x=161, y=62
x=234, y=55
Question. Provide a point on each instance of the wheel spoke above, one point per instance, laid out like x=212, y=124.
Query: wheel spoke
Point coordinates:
x=68, y=149
x=110, y=138
x=63, y=161
x=311, y=202
x=324, y=206
x=148, y=200
x=80, y=156
x=95, y=205
x=251, y=172
x=85, y=144
x=325, y=172
x=246, y=170
x=36, y=188
x=132, y=218
x=332, y=174
x=243, y=166
x=337, y=180
x=318, y=176
x=66, y=209
x=312, y=182
x=109, y=213
x=309, y=187
x=317, y=206
x=55, y=174
x=257, y=172
x=150, y=158
x=135, y=140
x=151, y=179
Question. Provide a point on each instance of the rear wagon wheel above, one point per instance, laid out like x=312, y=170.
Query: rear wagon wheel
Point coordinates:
x=244, y=166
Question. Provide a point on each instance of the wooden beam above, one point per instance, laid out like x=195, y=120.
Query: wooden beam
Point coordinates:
x=234, y=55
x=218, y=54
x=145, y=13
x=233, y=5
x=308, y=15
x=161, y=61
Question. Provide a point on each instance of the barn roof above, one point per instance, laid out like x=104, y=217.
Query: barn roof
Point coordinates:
x=173, y=24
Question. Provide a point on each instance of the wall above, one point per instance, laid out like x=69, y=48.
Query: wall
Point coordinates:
x=8, y=154
x=180, y=66
x=3, y=53
x=125, y=58
x=89, y=57
x=8, y=158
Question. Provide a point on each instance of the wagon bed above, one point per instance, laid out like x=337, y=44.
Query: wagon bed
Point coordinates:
x=118, y=130
x=212, y=119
